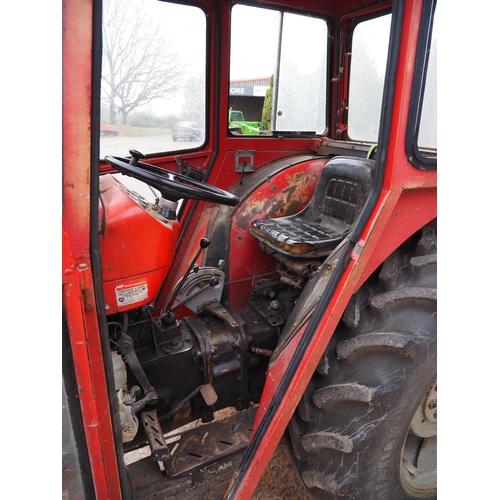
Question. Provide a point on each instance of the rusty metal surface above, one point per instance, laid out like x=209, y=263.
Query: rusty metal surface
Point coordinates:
x=159, y=448
x=284, y=193
x=206, y=444
x=280, y=480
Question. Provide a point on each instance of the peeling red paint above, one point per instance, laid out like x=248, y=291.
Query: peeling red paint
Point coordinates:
x=292, y=190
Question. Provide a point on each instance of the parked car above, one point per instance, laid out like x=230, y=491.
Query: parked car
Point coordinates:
x=187, y=131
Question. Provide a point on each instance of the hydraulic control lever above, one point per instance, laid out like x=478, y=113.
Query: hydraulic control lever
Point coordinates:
x=187, y=297
x=169, y=318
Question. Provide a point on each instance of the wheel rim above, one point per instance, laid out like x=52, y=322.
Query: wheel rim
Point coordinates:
x=419, y=456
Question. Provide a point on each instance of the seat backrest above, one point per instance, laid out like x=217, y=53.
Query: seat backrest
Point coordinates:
x=341, y=192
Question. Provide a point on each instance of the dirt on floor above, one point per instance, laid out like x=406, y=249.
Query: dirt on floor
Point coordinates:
x=279, y=481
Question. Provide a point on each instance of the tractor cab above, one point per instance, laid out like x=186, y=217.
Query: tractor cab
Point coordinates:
x=234, y=285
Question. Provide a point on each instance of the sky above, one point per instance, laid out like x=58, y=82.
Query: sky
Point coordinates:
x=253, y=42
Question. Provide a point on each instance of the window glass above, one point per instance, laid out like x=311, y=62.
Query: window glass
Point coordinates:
x=370, y=45
x=153, y=77
x=302, y=86
x=279, y=83
x=427, y=134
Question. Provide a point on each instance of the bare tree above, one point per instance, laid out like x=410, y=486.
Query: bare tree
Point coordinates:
x=194, y=96
x=139, y=63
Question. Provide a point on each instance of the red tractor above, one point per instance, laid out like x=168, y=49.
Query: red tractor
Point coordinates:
x=273, y=288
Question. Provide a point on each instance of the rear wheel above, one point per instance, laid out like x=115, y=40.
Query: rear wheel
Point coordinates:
x=366, y=427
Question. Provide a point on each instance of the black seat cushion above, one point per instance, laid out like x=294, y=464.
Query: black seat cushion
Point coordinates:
x=331, y=213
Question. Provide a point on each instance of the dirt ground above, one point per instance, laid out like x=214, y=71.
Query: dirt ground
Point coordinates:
x=281, y=479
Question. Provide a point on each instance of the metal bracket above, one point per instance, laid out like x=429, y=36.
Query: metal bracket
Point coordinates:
x=240, y=343
x=86, y=288
x=185, y=169
x=244, y=161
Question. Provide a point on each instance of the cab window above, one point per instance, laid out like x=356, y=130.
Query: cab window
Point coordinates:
x=427, y=132
x=370, y=45
x=279, y=89
x=153, y=77
x=421, y=134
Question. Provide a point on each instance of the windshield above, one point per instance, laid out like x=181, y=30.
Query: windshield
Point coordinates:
x=153, y=76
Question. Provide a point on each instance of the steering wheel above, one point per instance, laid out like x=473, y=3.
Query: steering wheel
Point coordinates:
x=172, y=186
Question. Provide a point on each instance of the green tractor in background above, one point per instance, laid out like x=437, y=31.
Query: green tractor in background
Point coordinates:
x=238, y=125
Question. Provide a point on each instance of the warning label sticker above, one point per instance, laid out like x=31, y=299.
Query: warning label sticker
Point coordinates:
x=130, y=294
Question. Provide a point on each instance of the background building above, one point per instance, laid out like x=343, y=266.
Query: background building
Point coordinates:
x=248, y=96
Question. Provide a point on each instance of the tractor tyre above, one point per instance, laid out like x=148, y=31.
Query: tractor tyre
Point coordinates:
x=366, y=427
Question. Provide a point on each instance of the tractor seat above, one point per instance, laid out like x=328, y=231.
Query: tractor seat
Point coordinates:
x=329, y=216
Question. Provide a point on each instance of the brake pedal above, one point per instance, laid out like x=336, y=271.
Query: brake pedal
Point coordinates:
x=209, y=395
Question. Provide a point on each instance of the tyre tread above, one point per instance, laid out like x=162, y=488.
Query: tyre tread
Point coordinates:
x=388, y=326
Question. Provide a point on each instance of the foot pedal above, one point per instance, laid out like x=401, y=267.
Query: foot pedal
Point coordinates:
x=210, y=443
x=159, y=448
x=209, y=395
